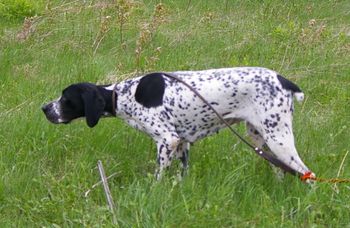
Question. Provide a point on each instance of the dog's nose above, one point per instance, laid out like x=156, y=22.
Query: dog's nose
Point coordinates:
x=44, y=108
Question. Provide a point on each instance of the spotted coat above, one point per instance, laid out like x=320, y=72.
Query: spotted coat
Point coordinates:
x=175, y=117
x=258, y=96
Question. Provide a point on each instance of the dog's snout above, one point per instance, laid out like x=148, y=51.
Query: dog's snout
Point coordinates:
x=51, y=113
x=45, y=108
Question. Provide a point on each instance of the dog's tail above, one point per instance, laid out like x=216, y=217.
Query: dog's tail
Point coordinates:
x=299, y=96
x=288, y=85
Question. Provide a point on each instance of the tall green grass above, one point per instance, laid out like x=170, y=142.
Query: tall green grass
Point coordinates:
x=45, y=169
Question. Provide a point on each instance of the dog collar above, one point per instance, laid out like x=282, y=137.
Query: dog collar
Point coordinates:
x=114, y=100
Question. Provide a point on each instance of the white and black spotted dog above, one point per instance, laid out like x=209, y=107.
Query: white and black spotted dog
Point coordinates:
x=174, y=116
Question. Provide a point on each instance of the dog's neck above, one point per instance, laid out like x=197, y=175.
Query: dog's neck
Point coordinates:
x=107, y=94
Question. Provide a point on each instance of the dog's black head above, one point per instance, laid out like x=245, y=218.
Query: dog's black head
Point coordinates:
x=78, y=100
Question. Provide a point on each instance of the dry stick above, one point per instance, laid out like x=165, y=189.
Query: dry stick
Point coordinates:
x=304, y=104
x=335, y=187
x=64, y=4
x=98, y=183
x=99, y=42
x=342, y=163
x=107, y=191
x=188, y=4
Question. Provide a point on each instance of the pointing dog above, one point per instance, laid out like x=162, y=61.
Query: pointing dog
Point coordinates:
x=173, y=116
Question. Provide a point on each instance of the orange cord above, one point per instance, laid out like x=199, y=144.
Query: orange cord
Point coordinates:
x=308, y=176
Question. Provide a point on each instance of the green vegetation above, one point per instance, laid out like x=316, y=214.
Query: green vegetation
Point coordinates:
x=19, y=9
x=45, y=169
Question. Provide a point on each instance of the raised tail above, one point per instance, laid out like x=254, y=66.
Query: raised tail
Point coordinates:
x=288, y=85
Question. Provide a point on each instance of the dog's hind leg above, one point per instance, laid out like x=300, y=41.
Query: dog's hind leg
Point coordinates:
x=255, y=136
x=276, y=129
x=182, y=152
x=259, y=142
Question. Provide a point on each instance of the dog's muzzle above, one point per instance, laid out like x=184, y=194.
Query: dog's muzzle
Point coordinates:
x=51, y=113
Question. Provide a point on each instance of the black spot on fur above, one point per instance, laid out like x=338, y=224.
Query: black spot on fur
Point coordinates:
x=150, y=90
x=288, y=85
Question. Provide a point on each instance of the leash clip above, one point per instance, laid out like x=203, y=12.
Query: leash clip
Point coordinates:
x=307, y=176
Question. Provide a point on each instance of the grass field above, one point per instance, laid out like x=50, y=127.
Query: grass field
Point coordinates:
x=45, y=169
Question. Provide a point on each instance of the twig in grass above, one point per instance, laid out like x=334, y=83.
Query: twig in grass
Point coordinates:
x=303, y=105
x=63, y=5
x=98, y=183
x=342, y=163
x=117, y=76
x=124, y=8
x=104, y=29
x=188, y=5
x=284, y=58
x=335, y=187
x=29, y=26
x=226, y=5
x=147, y=32
x=16, y=108
x=107, y=191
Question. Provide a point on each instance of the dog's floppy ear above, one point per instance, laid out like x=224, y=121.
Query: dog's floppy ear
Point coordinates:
x=93, y=105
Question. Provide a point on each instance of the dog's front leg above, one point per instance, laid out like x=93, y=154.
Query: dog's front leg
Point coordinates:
x=166, y=147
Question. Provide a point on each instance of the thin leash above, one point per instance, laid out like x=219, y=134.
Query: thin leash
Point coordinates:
x=114, y=100
x=308, y=176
